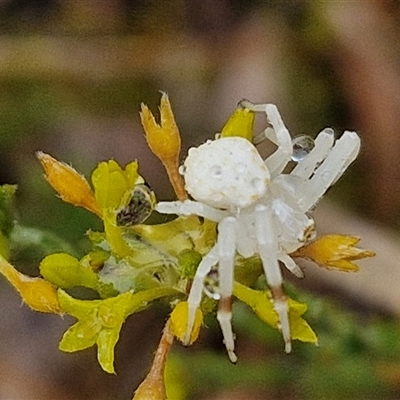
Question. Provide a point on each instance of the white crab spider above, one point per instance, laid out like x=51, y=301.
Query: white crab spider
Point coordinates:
x=259, y=210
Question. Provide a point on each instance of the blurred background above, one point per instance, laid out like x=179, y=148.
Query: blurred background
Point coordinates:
x=72, y=77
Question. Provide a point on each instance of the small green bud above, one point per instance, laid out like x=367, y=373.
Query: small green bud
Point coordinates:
x=66, y=271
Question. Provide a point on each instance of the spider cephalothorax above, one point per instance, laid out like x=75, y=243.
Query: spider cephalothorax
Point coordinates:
x=259, y=210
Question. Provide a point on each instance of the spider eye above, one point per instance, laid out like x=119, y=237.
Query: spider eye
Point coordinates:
x=138, y=208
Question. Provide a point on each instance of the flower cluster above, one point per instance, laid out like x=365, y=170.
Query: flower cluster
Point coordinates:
x=131, y=264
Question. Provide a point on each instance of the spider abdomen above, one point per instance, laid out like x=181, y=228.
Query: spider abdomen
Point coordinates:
x=225, y=173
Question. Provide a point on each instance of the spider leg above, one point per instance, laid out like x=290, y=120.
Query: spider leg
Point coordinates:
x=268, y=251
x=277, y=161
x=341, y=156
x=189, y=207
x=323, y=143
x=291, y=265
x=226, y=254
x=196, y=290
x=279, y=136
x=223, y=253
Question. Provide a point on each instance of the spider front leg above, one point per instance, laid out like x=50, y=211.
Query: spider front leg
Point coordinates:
x=196, y=291
x=268, y=250
x=279, y=135
x=277, y=161
x=343, y=153
x=224, y=254
x=323, y=144
x=190, y=207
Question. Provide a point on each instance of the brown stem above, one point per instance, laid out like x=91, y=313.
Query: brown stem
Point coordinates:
x=175, y=178
x=153, y=387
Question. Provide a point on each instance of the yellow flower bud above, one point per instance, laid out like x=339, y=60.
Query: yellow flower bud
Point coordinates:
x=240, y=123
x=334, y=251
x=179, y=319
x=68, y=183
x=164, y=141
x=37, y=293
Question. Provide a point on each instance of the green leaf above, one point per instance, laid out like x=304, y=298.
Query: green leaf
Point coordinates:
x=188, y=261
x=261, y=304
x=7, y=193
x=248, y=270
x=34, y=243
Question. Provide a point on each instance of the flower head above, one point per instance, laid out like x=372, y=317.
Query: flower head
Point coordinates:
x=132, y=264
x=334, y=252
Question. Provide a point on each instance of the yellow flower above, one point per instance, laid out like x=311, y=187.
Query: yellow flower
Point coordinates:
x=100, y=321
x=334, y=251
x=68, y=183
x=37, y=293
x=240, y=123
x=112, y=185
x=164, y=141
x=179, y=318
x=260, y=303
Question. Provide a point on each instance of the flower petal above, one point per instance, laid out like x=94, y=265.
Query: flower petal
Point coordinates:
x=334, y=251
x=240, y=123
x=111, y=182
x=261, y=303
x=179, y=318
